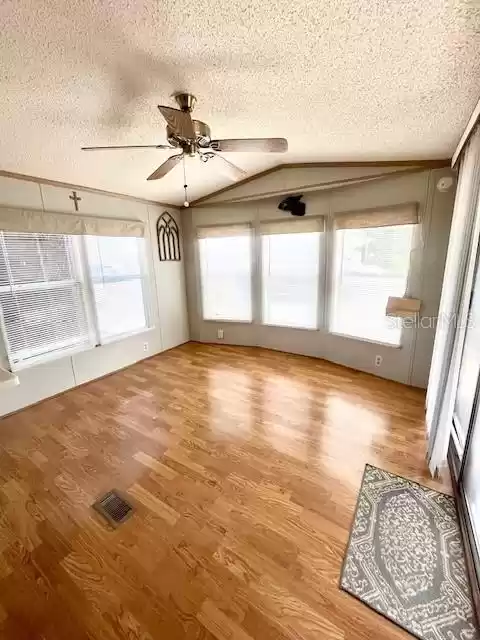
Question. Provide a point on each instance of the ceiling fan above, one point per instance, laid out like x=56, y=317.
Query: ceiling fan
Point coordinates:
x=192, y=137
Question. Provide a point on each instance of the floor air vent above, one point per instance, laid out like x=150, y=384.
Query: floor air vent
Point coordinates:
x=114, y=508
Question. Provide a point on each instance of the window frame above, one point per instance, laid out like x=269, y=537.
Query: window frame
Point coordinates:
x=326, y=275
x=252, y=236
x=91, y=301
x=80, y=259
x=53, y=354
x=332, y=282
x=320, y=286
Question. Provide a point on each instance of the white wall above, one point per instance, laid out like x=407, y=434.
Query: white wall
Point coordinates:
x=167, y=294
x=285, y=180
x=409, y=364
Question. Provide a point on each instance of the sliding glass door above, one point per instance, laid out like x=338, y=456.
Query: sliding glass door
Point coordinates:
x=470, y=366
x=466, y=428
x=470, y=479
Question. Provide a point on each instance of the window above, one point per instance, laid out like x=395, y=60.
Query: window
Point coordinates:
x=41, y=295
x=369, y=253
x=371, y=264
x=226, y=272
x=53, y=300
x=290, y=272
x=116, y=273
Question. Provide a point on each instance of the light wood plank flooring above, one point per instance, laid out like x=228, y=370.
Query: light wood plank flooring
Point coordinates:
x=244, y=465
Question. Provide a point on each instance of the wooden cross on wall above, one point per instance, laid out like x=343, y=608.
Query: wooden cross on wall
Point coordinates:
x=75, y=199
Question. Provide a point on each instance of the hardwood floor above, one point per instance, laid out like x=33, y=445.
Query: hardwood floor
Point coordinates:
x=244, y=466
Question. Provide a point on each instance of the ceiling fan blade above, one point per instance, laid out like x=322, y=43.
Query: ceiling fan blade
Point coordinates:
x=164, y=168
x=265, y=145
x=128, y=146
x=229, y=169
x=180, y=122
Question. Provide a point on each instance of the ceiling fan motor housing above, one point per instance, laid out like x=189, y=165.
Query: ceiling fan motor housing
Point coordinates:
x=202, y=136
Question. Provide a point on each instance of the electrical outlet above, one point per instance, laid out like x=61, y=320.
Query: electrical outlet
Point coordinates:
x=378, y=361
x=145, y=346
x=220, y=334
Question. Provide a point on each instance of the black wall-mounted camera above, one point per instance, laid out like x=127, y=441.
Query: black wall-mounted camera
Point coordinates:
x=293, y=205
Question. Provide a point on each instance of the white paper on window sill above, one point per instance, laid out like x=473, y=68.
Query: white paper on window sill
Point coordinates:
x=7, y=379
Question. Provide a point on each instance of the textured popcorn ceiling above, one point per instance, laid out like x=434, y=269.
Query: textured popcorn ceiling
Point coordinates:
x=341, y=79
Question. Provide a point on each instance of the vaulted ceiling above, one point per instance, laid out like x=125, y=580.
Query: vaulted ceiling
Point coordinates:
x=341, y=79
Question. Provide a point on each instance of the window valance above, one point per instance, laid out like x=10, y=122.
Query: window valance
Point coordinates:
x=31, y=221
x=379, y=217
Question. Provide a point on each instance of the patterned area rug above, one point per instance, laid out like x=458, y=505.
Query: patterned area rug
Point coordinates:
x=405, y=558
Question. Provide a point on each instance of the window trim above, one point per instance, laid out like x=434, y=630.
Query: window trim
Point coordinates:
x=379, y=343
x=144, y=278
x=289, y=326
x=49, y=356
x=89, y=296
x=331, y=294
x=122, y=337
x=319, y=288
x=3, y=334
x=228, y=321
x=326, y=276
x=252, y=236
x=55, y=354
x=80, y=258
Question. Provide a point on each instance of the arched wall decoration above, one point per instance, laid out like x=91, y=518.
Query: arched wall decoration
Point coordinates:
x=168, y=237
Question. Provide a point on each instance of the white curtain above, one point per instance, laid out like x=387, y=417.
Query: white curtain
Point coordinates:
x=443, y=379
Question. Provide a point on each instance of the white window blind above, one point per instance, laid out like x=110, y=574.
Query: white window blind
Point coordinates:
x=290, y=273
x=226, y=272
x=118, y=279
x=371, y=264
x=41, y=295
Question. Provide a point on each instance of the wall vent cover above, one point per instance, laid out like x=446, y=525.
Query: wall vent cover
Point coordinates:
x=114, y=508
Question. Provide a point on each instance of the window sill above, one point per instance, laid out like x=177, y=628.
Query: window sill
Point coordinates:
x=7, y=379
x=288, y=326
x=367, y=340
x=124, y=336
x=37, y=361
x=217, y=320
x=69, y=353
